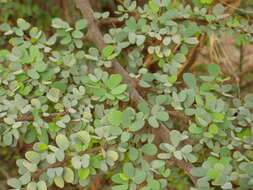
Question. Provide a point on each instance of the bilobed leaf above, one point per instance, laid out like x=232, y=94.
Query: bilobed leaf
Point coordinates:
x=77, y=34
x=68, y=175
x=107, y=51
x=54, y=95
x=41, y=185
x=213, y=129
x=190, y=80
x=81, y=24
x=149, y=149
x=176, y=137
x=113, y=81
x=62, y=141
x=153, y=6
x=113, y=154
x=133, y=154
x=137, y=125
x=22, y=24
x=194, y=129
x=59, y=182
x=32, y=156
x=115, y=117
x=213, y=69
x=59, y=23
x=119, y=89
x=13, y=182
x=191, y=41
x=120, y=187
x=33, y=74
x=140, y=39
x=26, y=178
x=218, y=9
x=153, y=122
x=83, y=173
x=119, y=178
x=129, y=169
x=32, y=186
x=154, y=184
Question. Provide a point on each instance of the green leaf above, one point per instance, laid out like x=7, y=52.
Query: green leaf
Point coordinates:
x=68, y=175
x=59, y=23
x=191, y=41
x=32, y=186
x=59, y=182
x=206, y=1
x=77, y=34
x=113, y=81
x=115, y=117
x=128, y=169
x=40, y=66
x=139, y=176
x=62, y=142
x=140, y=39
x=213, y=173
x=153, y=122
x=194, y=129
x=120, y=187
x=198, y=172
x=113, y=155
x=248, y=101
x=176, y=137
x=153, y=6
x=13, y=182
x=133, y=154
x=218, y=117
x=81, y=24
x=120, y=178
x=54, y=95
x=83, y=173
x=190, y=80
x=32, y=156
x=218, y=9
x=41, y=185
x=149, y=149
x=119, y=89
x=249, y=169
x=61, y=85
x=22, y=24
x=213, y=129
x=33, y=74
x=154, y=184
x=26, y=178
x=42, y=147
x=213, y=69
x=137, y=125
x=107, y=51
x=30, y=136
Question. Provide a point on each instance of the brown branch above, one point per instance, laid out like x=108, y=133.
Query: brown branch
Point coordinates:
x=94, y=34
x=149, y=61
x=110, y=20
x=31, y=118
x=191, y=57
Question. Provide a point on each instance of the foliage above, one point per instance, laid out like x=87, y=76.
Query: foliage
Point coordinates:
x=58, y=95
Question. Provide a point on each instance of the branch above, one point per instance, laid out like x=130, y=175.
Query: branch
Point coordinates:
x=191, y=57
x=31, y=118
x=94, y=34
